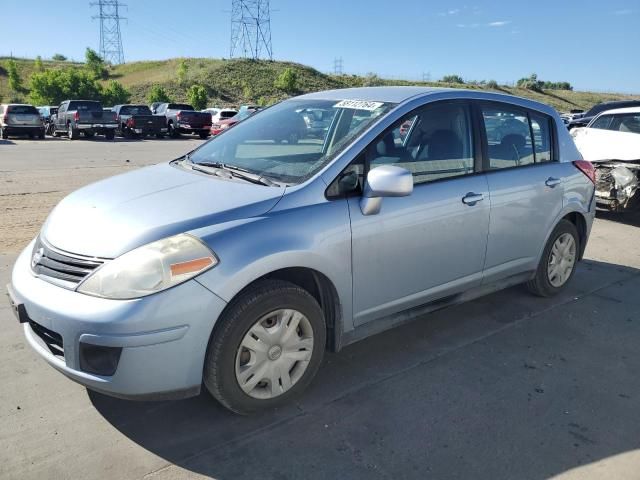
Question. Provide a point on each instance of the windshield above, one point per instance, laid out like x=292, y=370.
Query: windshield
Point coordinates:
x=281, y=144
x=619, y=122
x=135, y=110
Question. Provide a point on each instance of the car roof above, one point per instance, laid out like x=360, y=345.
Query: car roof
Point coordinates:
x=622, y=110
x=402, y=94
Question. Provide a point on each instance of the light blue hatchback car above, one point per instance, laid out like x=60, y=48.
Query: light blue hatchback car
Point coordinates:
x=240, y=263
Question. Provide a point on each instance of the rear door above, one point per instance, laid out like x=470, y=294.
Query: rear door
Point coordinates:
x=525, y=184
x=432, y=243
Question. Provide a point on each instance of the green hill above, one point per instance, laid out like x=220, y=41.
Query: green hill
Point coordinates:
x=237, y=81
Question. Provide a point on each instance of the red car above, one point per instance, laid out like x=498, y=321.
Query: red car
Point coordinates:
x=222, y=125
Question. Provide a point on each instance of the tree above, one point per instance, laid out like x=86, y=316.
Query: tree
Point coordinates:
x=452, y=79
x=182, y=70
x=95, y=64
x=58, y=57
x=287, y=81
x=157, y=94
x=492, y=84
x=198, y=96
x=15, y=82
x=37, y=65
x=53, y=86
x=115, y=94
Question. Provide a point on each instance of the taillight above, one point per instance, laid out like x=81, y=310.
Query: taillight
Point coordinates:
x=130, y=122
x=5, y=119
x=178, y=117
x=587, y=168
x=76, y=116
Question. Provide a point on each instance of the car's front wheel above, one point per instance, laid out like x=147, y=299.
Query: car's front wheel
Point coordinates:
x=558, y=262
x=266, y=348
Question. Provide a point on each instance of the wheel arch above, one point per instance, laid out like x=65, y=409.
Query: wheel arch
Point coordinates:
x=319, y=286
x=580, y=223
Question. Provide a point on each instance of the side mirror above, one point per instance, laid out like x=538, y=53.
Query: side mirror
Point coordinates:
x=384, y=181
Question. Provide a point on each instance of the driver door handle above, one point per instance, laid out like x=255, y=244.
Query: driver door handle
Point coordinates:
x=472, y=198
x=552, y=182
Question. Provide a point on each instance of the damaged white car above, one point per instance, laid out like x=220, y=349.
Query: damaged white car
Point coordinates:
x=611, y=142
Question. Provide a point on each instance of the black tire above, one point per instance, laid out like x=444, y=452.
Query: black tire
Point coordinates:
x=110, y=134
x=293, y=139
x=159, y=135
x=4, y=134
x=41, y=135
x=204, y=135
x=540, y=284
x=31, y=136
x=172, y=131
x=72, y=133
x=241, y=314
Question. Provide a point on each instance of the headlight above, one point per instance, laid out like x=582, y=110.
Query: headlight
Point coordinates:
x=623, y=176
x=150, y=268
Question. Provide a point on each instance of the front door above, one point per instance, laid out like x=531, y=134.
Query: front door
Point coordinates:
x=432, y=243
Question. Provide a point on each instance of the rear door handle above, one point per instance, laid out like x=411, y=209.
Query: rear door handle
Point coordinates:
x=552, y=182
x=472, y=198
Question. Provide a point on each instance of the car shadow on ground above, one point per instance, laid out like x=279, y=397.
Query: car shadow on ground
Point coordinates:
x=631, y=217
x=506, y=386
x=6, y=142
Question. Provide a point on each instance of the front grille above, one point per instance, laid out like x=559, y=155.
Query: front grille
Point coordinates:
x=51, y=339
x=69, y=268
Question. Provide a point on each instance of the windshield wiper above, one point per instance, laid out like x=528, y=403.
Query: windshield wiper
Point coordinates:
x=235, y=171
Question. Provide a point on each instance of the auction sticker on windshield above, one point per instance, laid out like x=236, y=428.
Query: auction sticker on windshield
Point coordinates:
x=359, y=105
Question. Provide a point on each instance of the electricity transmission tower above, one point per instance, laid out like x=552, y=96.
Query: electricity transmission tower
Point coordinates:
x=251, y=29
x=337, y=66
x=110, y=38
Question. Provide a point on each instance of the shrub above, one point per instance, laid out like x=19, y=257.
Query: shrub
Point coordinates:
x=37, y=64
x=492, y=84
x=158, y=94
x=452, y=79
x=58, y=57
x=182, y=71
x=287, y=81
x=115, y=94
x=372, y=80
x=198, y=96
x=15, y=82
x=95, y=64
x=53, y=86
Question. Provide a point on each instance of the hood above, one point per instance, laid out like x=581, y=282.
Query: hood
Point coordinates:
x=110, y=217
x=595, y=144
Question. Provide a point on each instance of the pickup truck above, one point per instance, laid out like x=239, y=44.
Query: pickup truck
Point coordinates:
x=86, y=116
x=137, y=120
x=182, y=118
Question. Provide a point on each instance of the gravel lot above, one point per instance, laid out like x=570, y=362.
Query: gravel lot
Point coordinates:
x=505, y=387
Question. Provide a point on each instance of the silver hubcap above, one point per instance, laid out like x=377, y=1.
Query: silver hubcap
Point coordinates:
x=561, y=260
x=274, y=354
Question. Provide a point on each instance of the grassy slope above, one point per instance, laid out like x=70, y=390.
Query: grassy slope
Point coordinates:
x=231, y=82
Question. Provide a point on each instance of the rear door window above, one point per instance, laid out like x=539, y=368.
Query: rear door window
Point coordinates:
x=508, y=136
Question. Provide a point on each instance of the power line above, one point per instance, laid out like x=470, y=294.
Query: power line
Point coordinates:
x=337, y=66
x=110, y=38
x=251, y=29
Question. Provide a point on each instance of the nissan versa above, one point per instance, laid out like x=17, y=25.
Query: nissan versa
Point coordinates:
x=240, y=263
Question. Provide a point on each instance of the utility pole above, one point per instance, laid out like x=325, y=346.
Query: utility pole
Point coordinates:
x=251, y=29
x=110, y=49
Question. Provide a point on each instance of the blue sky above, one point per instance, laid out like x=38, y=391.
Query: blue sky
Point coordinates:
x=592, y=44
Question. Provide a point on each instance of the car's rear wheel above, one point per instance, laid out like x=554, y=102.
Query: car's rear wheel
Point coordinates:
x=110, y=134
x=72, y=133
x=204, y=135
x=266, y=348
x=3, y=133
x=558, y=262
x=173, y=133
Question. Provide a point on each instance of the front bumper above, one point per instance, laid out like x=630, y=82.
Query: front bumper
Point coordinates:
x=163, y=337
